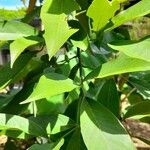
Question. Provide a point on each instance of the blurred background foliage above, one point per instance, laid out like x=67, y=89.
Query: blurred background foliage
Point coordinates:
x=12, y=14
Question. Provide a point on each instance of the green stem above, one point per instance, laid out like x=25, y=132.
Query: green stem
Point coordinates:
x=34, y=108
x=80, y=65
x=81, y=96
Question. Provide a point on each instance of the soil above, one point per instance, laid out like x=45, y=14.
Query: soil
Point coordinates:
x=138, y=129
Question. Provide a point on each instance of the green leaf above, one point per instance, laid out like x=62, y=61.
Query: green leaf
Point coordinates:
x=138, y=50
x=54, y=124
x=5, y=99
x=50, y=84
x=40, y=147
x=62, y=123
x=52, y=146
x=135, y=98
x=23, y=65
x=11, y=30
x=108, y=96
x=83, y=4
x=19, y=45
x=103, y=127
x=13, y=107
x=101, y=11
x=52, y=105
x=141, y=108
x=142, y=86
x=16, y=134
x=137, y=10
x=7, y=74
x=74, y=141
x=13, y=122
x=59, y=144
x=145, y=119
x=123, y=64
x=54, y=19
x=79, y=39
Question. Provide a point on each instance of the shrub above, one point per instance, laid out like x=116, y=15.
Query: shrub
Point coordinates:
x=68, y=75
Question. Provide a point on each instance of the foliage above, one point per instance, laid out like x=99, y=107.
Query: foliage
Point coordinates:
x=12, y=14
x=71, y=70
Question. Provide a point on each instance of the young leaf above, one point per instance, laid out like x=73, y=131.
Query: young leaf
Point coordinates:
x=138, y=50
x=101, y=11
x=54, y=19
x=19, y=45
x=11, y=30
x=13, y=122
x=103, y=127
x=123, y=64
x=137, y=10
x=141, y=108
x=49, y=85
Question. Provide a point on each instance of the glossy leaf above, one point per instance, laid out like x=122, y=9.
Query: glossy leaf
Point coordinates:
x=137, y=10
x=101, y=125
x=138, y=50
x=54, y=19
x=13, y=122
x=101, y=11
x=19, y=45
x=123, y=64
x=49, y=85
x=11, y=30
x=141, y=108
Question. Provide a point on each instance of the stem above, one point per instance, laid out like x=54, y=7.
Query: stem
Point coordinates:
x=31, y=6
x=128, y=94
x=80, y=66
x=34, y=108
x=81, y=96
